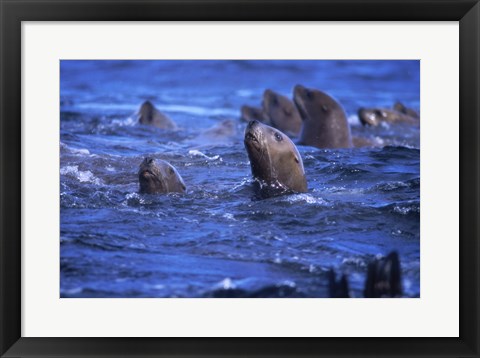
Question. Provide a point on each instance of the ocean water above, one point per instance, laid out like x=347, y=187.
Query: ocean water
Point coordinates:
x=217, y=238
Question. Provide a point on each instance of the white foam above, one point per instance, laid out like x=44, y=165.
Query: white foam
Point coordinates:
x=79, y=151
x=197, y=153
x=229, y=216
x=126, y=122
x=226, y=284
x=308, y=198
x=82, y=176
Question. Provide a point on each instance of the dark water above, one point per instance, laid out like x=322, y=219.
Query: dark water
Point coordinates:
x=117, y=243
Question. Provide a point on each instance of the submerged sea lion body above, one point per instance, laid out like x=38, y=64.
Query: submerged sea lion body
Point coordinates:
x=149, y=115
x=362, y=142
x=282, y=113
x=325, y=123
x=221, y=133
x=275, y=161
x=159, y=177
x=248, y=113
x=375, y=116
x=225, y=128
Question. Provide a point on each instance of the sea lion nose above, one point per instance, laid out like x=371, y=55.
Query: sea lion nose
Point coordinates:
x=148, y=160
x=252, y=123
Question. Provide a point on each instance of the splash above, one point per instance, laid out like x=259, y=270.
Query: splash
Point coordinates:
x=82, y=176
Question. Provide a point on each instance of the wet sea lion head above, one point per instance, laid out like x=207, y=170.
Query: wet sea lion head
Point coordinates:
x=371, y=116
x=325, y=123
x=146, y=112
x=274, y=159
x=400, y=107
x=282, y=112
x=374, y=116
x=158, y=176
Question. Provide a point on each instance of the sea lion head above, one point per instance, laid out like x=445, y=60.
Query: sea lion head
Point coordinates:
x=371, y=116
x=159, y=177
x=325, y=123
x=146, y=112
x=282, y=112
x=400, y=107
x=275, y=161
x=374, y=116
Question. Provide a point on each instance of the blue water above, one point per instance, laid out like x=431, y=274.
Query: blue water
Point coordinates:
x=115, y=242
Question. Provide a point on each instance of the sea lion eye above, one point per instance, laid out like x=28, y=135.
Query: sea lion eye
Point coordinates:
x=275, y=100
x=309, y=94
x=278, y=137
x=324, y=108
x=379, y=113
x=170, y=170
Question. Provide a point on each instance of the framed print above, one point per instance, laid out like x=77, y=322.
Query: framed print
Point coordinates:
x=178, y=178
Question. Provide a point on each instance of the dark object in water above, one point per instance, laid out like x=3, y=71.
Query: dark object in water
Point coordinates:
x=384, y=277
x=337, y=289
x=270, y=291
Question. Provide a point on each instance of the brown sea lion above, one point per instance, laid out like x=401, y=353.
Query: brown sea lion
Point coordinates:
x=399, y=106
x=158, y=176
x=375, y=116
x=325, y=123
x=248, y=113
x=275, y=161
x=282, y=113
x=148, y=114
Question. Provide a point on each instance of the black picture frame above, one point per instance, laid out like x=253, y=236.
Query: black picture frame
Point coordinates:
x=13, y=12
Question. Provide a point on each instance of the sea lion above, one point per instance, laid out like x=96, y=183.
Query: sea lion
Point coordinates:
x=375, y=116
x=148, y=114
x=282, y=113
x=399, y=106
x=159, y=177
x=325, y=123
x=248, y=113
x=275, y=161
